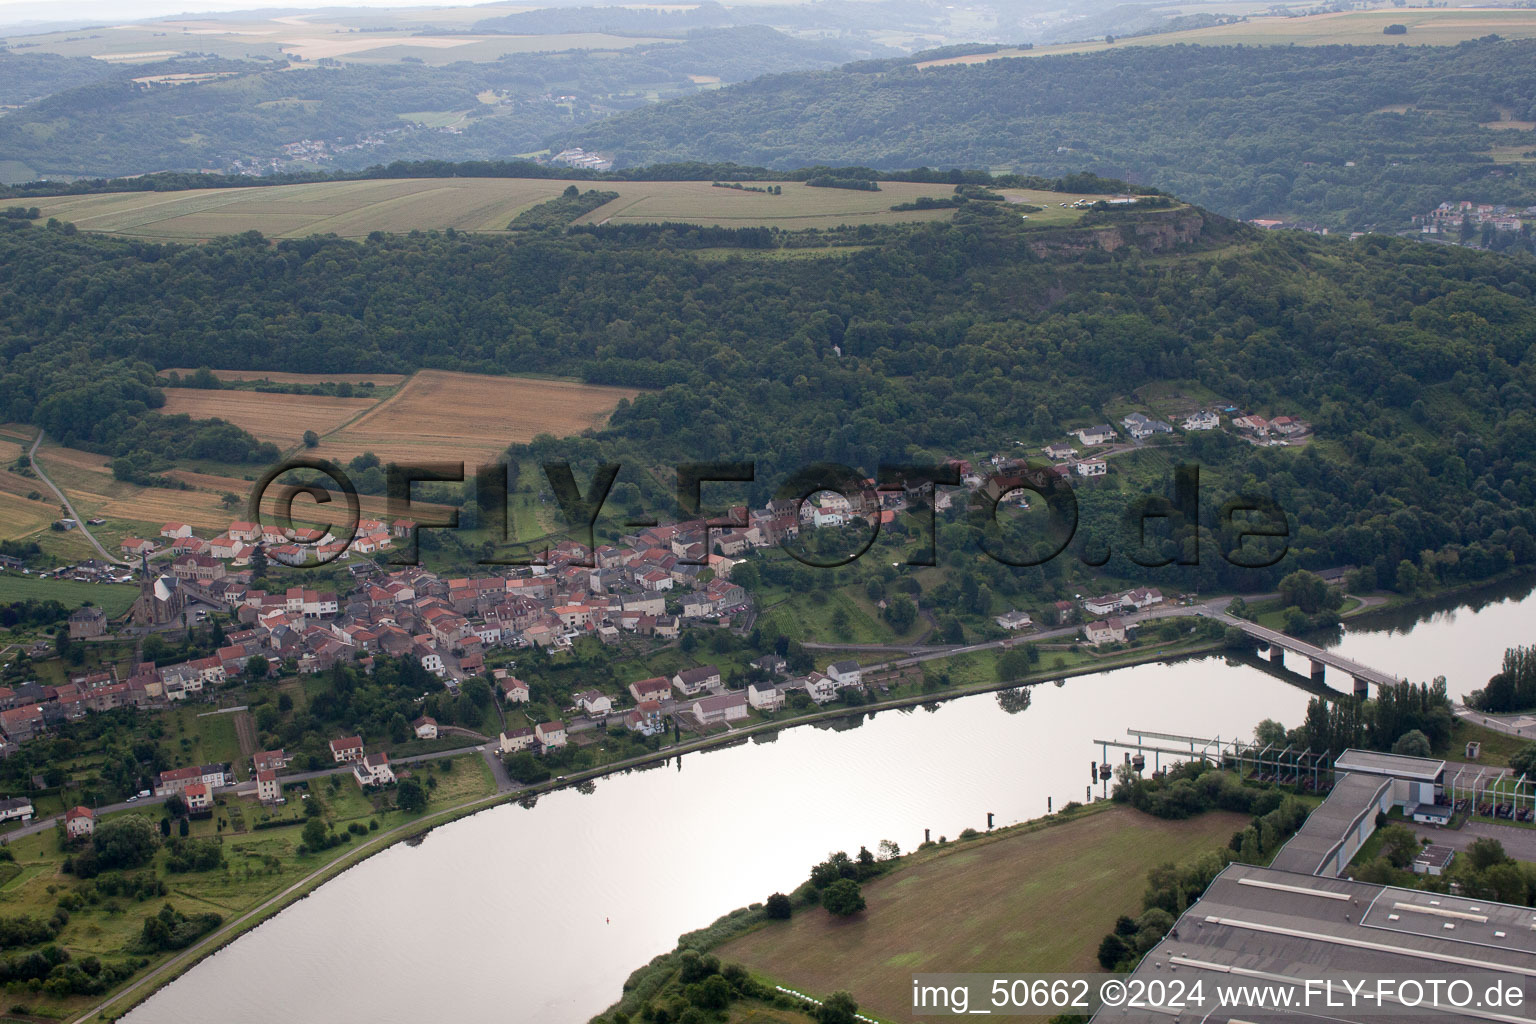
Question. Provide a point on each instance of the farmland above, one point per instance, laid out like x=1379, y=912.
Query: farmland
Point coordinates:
x=442, y=415
x=981, y=903
x=383, y=380
x=281, y=419
x=1426, y=27
x=353, y=209
x=109, y=597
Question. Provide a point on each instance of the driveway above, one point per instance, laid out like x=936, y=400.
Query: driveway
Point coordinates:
x=1519, y=843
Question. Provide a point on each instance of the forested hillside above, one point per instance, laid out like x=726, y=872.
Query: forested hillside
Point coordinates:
x=108, y=124
x=1345, y=136
x=1414, y=362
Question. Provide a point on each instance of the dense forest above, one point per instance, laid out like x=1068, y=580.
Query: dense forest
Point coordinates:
x=93, y=123
x=1343, y=136
x=1414, y=362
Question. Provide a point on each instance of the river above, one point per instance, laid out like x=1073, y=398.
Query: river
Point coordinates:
x=538, y=914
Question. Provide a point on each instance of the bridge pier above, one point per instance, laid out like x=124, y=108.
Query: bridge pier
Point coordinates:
x=1276, y=654
x=1318, y=670
x=1362, y=687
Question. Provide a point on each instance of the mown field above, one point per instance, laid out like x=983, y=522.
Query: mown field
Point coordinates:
x=1027, y=901
x=281, y=419
x=1438, y=27
x=109, y=597
x=440, y=415
x=352, y=209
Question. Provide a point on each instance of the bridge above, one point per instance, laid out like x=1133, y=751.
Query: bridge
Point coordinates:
x=1279, y=643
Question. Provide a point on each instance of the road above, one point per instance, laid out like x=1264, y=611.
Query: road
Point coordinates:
x=1497, y=724
x=64, y=500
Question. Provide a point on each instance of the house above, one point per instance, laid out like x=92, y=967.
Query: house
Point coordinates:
x=1060, y=450
x=175, y=531
x=268, y=789
x=594, y=702
x=1014, y=620
x=79, y=821
x=550, y=734
x=772, y=664
x=137, y=548
x=1141, y=597
x=87, y=622
x=1104, y=631
x=513, y=740
x=820, y=688
x=17, y=809
x=1091, y=467
x=693, y=681
x=513, y=689
x=199, y=798
x=179, y=780
x=1202, y=420
x=348, y=748
x=645, y=719
x=1287, y=425
x=656, y=688
x=729, y=706
x=1104, y=604
x=1101, y=434
x=1141, y=426
x=1256, y=425
x=425, y=728
x=270, y=761
x=765, y=696
x=845, y=673
x=373, y=770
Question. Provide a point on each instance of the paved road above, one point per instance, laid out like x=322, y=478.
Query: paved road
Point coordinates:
x=1519, y=843
x=1496, y=723
x=79, y=519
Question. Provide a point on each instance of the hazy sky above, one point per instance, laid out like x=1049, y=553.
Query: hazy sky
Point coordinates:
x=13, y=12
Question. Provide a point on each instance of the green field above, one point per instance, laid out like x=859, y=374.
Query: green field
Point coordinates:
x=1028, y=900
x=112, y=598
x=352, y=209
x=1437, y=27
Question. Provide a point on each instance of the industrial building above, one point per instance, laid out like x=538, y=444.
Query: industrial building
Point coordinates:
x=1298, y=921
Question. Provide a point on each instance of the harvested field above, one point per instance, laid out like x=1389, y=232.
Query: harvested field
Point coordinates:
x=439, y=415
x=281, y=419
x=383, y=380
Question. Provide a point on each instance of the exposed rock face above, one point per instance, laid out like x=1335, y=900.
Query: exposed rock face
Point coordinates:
x=1156, y=231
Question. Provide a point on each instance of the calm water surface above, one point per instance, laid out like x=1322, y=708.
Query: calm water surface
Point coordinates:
x=538, y=914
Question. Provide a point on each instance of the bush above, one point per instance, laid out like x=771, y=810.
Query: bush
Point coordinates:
x=779, y=907
x=843, y=898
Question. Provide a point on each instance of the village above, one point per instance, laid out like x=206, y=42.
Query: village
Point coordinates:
x=645, y=590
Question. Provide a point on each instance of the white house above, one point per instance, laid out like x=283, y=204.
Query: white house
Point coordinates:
x=1091, y=467
x=1014, y=620
x=729, y=706
x=845, y=673
x=1202, y=420
x=594, y=703
x=348, y=748
x=656, y=688
x=1101, y=434
x=765, y=696
x=820, y=688
x=550, y=734
x=373, y=770
x=17, y=809
x=1104, y=604
x=513, y=740
x=693, y=681
x=513, y=689
x=79, y=821
x=268, y=789
x=1104, y=632
x=1142, y=597
x=425, y=728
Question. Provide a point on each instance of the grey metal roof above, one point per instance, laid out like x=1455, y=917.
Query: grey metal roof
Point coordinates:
x=1423, y=768
x=1273, y=924
x=1353, y=798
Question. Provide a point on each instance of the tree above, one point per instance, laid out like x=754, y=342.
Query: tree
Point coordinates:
x=1523, y=761
x=311, y=439
x=314, y=834
x=1412, y=743
x=843, y=898
x=1484, y=853
x=1399, y=845
x=258, y=667
x=839, y=1008
x=410, y=797
x=1306, y=590
x=1269, y=733
x=1112, y=950
x=126, y=842
x=778, y=907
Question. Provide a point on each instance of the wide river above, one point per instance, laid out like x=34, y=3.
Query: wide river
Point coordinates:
x=538, y=914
